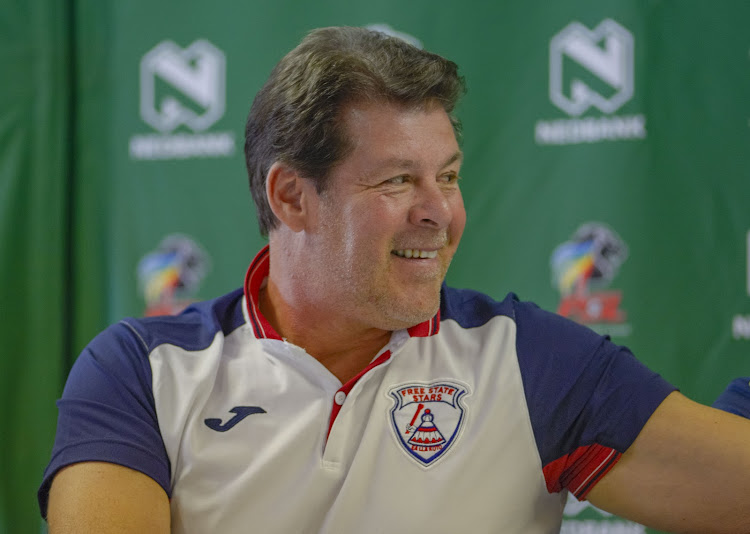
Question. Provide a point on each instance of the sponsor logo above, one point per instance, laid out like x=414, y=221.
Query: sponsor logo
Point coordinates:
x=182, y=88
x=388, y=30
x=574, y=507
x=582, y=269
x=240, y=411
x=171, y=274
x=611, y=64
x=741, y=327
x=591, y=526
x=582, y=517
x=591, y=69
x=741, y=323
x=426, y=418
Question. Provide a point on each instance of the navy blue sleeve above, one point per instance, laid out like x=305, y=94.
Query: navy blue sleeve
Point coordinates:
x=588, y=398
x=736, y=398
x=107, y=412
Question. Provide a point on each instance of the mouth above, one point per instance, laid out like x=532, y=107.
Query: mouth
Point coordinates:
x=413, y=253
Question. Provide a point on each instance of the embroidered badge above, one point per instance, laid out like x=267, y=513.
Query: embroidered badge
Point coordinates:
x=427, y=418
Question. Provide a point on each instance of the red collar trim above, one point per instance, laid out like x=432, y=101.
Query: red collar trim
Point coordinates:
x=258, y=272
x=427, y=328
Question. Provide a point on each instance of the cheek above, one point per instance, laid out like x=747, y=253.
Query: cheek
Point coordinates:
x=376, y=221
x=458, y=222
x=360, y=231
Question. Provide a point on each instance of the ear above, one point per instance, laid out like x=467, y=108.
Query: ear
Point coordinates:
x=286, y=191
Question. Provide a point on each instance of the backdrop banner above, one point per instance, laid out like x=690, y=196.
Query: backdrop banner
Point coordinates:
x=606, y=173
x=34, y=188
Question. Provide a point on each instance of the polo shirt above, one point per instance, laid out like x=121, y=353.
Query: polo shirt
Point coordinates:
x=481, y=419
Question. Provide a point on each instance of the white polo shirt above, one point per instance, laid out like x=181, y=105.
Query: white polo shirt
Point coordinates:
x=478, y=420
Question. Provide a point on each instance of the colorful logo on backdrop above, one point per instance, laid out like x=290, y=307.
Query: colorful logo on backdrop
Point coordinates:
x=582, y=270
x=741, y=323
x=427, y=418
x=591, y=70
x=171, y=275
x=182, y=95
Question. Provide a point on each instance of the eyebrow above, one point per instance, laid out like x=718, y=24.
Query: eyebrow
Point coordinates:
x=458, y=156
x=400, y=163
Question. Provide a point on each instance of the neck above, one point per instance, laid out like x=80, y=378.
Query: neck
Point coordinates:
x=341, y=345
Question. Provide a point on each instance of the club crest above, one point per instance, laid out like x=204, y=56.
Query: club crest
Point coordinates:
x=427, y=418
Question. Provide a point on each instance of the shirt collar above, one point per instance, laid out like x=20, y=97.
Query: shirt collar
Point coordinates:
x=256, y=276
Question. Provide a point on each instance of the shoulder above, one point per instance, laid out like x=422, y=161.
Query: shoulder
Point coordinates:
x=472, y=309
x=534, y=325
x=122, y=352
x=108, y=412
x=192, y=330
x=570, y=373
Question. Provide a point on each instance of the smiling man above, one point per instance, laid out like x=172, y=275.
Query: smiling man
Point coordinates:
x=367, y=255
x=345, y=388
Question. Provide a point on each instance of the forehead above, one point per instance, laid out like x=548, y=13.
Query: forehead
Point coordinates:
x=384, y=135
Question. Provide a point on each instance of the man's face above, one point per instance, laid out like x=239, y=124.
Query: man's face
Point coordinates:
x=386, y=228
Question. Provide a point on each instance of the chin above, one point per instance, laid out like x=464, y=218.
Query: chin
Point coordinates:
x=401, y=315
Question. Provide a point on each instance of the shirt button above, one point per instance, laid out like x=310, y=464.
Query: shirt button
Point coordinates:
x=339, y=398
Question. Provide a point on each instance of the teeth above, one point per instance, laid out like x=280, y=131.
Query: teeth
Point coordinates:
x=415, y=253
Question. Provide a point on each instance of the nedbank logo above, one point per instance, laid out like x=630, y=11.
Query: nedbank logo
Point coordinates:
x=611, y=64
x=195, y=74
x=182, y=89
x=591, y=69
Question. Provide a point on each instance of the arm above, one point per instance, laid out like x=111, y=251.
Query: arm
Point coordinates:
x=106, y=499
x=107, y=419
x=687, y=471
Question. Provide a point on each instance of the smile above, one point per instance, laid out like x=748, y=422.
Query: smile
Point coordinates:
x=415, y=253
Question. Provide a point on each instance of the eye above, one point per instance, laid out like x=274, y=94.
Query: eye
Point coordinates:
x=396, y=180
x=449, y=178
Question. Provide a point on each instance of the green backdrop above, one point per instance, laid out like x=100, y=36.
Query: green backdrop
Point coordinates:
x=607, y=176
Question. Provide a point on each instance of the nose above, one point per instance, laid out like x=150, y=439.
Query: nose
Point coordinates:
x=432, y=206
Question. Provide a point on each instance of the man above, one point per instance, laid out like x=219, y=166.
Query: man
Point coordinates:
x=345, y=389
